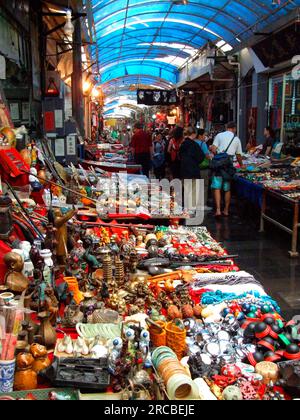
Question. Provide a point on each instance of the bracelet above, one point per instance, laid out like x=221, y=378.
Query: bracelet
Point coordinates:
x=181, y=387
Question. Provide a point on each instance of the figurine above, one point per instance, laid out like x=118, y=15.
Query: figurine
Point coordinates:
x=115, y=353
x=6, y=221
x=46, y=331
x=105, y=236
x=80, y=347
x=52, y=305
x=132, y=241
x=60, y=222
x=104, y=291
x=145, y=345
x=88, y=256
x=40, y=355
x=115, y=250
x=35, y=255
x=153, y=251
x=72, y=316
x=47, y=266
x=14, y=279
x=25, y=377
x=66, y=345
x=140, y=243
x=50, y=240
x=133, y=262
x=125, y=247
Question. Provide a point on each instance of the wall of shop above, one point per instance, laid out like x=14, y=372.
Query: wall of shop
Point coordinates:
x=275, y=96
x=20, y=63
x=253, y=113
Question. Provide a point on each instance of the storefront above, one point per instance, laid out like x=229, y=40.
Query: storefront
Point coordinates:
x=209, y=90
x=284, y=102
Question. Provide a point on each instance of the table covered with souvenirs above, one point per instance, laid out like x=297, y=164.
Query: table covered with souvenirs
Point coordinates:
x=270, y=187
x=108, y=310
x=110, y=157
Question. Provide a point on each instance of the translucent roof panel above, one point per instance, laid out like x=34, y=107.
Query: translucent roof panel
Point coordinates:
x=152, y=38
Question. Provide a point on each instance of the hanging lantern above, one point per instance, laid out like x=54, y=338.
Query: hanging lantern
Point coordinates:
x=52, y=90
x=69, y=27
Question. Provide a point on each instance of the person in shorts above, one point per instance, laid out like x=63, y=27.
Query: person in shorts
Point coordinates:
x=220, y=145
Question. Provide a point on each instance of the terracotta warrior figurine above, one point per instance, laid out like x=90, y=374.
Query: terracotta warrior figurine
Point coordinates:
x=60, y=222
x=14, y=279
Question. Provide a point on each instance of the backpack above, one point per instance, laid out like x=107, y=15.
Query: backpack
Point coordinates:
x=222, y=164
x=159, y=155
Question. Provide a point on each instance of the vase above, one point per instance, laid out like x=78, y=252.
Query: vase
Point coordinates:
x=46, y=331
x=46, y=254
x=7, y=371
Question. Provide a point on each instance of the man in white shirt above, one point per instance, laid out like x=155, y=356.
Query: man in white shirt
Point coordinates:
x=221, y=144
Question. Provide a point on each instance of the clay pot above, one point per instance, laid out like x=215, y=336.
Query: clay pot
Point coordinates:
x=46, y=331
x=25, y=378
x=41, y=360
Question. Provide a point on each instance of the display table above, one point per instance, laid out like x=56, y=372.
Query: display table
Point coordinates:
x=112, y=167
x=295, y=206
x=249, y=191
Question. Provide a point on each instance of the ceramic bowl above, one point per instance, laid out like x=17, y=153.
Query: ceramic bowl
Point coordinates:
x=6, y=297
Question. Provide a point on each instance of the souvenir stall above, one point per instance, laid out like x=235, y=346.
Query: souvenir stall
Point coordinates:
x=270, y=187
x=109, y=157
x=136, y=312
x=91, y=309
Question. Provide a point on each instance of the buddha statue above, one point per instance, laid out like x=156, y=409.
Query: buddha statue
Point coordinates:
x=14, y=279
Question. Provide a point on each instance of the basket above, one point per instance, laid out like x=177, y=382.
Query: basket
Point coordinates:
x=176, y=339
x=158, y=335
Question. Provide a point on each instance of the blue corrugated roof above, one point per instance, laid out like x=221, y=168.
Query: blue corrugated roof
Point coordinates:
x=140, y=40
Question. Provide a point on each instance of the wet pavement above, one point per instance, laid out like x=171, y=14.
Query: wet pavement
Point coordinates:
x=263, y=255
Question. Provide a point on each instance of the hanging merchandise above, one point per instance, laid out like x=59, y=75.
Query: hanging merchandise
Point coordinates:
x=157, y=97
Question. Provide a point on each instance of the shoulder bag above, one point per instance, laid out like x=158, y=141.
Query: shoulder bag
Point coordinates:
x=222, y=164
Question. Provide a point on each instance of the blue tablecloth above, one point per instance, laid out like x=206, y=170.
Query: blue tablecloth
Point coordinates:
x=249, y=191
